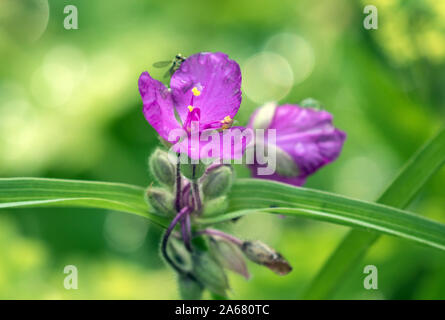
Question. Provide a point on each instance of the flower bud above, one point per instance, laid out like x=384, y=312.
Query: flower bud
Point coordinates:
x=217, y=182
x=210, y=273
x=229, y=255
x=260, y=253
x=193, y=171
x=161, y=201
x=180, y=255
x=161, y=168
x=311, y=103
x=215, y=206
x=189, y=289
x=264, y=116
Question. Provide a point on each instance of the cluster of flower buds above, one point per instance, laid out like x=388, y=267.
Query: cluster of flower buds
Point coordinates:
x=201, y=188
x=200, y=256
x=214, y=252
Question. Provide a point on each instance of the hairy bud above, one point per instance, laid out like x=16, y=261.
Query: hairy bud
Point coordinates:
x=161, y=201
x=217, y=182
x=210, y=273
x=161, y=168
x=229, y=255
x=260, y=253
x=180, y=255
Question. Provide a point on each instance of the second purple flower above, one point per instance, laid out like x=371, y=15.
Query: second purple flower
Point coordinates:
x=306, y=140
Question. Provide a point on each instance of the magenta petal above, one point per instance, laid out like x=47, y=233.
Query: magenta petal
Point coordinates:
x=308, y=136
x=158, y=105
x=228, y=144
x=234, y=142
x=317, y=150
x=217, y=78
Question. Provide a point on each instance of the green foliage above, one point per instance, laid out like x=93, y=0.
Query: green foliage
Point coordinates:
x=401, y=191
x=215, y=206
x=250, y=196
x=247, y=196
x=69, y=108
x=36, y=192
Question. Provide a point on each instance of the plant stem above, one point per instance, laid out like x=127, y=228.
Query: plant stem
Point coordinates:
x=195, y=191
x=196, y=196
x=176, y=219
x=186, y=232
x=219, y=233
x=178, y=186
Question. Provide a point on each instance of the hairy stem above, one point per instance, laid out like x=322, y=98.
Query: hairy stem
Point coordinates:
x=219, y=233
x=186, y=232
x=185, y=211
x=196, y=196
x=178, y=187
x=195, y=192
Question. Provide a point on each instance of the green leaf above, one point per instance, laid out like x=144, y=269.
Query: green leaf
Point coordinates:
x=254, y=195
x=250, y=196
x=402, y=190
x=37, y=192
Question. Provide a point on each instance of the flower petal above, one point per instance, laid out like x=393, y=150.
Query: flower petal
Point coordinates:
x=228, y=144
x=218, y=80
x=158, y=105
x=307, y=135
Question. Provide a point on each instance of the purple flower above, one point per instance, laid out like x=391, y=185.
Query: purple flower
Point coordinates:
x=306, y=140
x=206, y=93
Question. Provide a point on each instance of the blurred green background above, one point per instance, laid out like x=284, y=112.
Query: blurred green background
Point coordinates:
x=70, y=108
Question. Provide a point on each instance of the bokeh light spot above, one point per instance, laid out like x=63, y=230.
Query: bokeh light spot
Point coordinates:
x=267, y=76
x=24, y=21
x=297, y=51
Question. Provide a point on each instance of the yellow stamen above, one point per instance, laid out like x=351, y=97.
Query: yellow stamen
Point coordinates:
x=227, y=122
x=191, y=108
x=227, y=119
x=196, y=92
